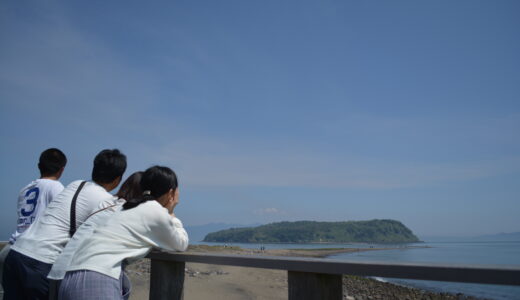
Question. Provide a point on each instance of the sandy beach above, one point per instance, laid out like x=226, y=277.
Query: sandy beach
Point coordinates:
x=204, y=281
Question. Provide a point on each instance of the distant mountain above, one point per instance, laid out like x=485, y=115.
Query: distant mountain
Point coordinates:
x=374, y=231
x=442, y=239
x=198, y=232
x=499, y=237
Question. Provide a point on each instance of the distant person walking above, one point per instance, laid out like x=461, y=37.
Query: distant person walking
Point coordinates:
x=32, y=255
x=148, y=221
x=34, y=197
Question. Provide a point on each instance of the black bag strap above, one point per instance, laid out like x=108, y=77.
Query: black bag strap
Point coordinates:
x=72, y=229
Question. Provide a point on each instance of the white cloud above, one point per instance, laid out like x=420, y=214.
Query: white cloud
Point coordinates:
x=212, y=162
x=268, y=211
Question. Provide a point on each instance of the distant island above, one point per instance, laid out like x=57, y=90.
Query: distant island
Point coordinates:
x=373, y=231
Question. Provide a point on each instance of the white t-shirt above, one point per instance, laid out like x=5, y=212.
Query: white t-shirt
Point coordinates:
x=47, y=237
x=32, y=201
x=129, y=234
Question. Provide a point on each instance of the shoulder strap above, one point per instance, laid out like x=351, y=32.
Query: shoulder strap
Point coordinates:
x=100, y=211
x=72, y=229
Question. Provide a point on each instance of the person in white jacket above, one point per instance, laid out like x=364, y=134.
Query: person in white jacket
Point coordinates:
x=95, y=271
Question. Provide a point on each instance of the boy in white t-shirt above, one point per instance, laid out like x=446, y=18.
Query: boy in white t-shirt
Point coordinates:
x=34, y=197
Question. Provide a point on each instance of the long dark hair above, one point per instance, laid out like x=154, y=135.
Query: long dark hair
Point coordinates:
x=155, y=182
x=131, y=188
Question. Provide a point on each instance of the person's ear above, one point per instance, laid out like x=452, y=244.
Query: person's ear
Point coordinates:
x=116, y=182
x=60, y=172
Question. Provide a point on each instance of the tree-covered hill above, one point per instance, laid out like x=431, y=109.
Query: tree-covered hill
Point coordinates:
x=374, y=231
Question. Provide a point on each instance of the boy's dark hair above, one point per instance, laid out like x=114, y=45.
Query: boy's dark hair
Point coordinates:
x=156, y=181
x=51, y=162
x=108, y=166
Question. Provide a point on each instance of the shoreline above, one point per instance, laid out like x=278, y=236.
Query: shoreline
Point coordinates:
x=326, y=252
x=204, y=281
x=296, y=252
x=314, y=243
x=311, y=252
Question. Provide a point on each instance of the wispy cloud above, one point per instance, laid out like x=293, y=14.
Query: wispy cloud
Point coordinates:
x=228, y=163
x=268, y=211
x=96, y=91
x=51, y=67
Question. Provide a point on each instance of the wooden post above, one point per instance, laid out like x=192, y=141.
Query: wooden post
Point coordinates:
x=166, y=280
x=315, y=286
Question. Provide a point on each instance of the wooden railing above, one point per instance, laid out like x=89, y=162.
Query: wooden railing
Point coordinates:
x=310, y=278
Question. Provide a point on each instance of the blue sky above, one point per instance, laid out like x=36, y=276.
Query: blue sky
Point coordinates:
x=276, y=110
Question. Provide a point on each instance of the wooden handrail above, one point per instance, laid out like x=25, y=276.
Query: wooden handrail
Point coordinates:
x=312, y=278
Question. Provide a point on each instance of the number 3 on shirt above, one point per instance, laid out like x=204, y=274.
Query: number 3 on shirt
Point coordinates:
x=31, y=198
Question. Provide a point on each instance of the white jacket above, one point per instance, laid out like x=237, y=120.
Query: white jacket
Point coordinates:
x=62, y=263
x=129, y=234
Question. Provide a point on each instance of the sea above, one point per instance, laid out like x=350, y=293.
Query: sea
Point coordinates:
x=481, y=253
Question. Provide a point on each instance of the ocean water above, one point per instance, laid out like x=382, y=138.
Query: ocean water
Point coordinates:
x=482, y=253
x=492, y=253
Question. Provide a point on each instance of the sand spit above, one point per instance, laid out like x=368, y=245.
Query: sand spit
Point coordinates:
x=204, y=281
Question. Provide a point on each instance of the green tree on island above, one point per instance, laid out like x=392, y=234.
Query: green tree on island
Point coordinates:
x=373, y=231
